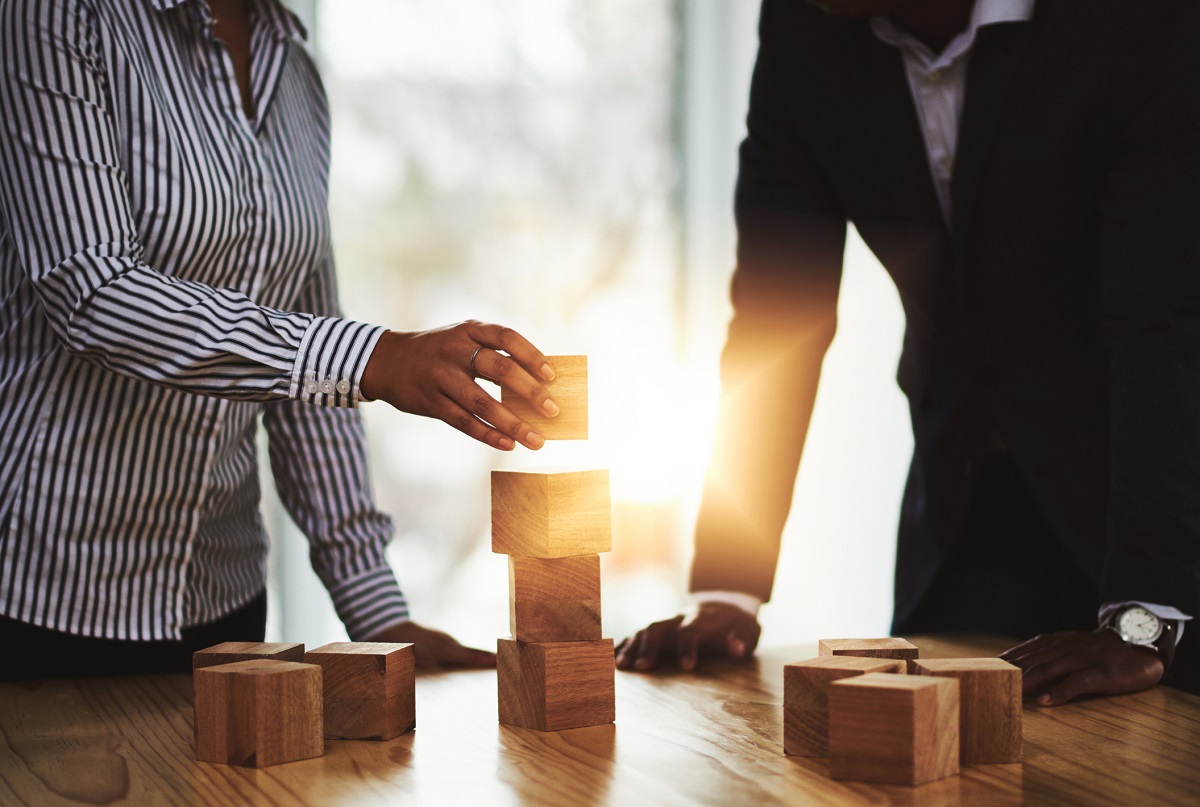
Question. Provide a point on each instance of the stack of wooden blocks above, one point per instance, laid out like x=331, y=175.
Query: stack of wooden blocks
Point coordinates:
x=882, y=714
x=556, y=671
x=260, y=703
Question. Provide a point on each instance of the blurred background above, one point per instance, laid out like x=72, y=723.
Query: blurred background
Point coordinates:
x=566, y=167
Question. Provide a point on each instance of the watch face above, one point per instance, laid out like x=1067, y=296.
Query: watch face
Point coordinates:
x=1138, y=625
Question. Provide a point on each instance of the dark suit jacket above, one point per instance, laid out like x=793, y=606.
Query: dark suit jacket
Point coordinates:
x=1061, y=311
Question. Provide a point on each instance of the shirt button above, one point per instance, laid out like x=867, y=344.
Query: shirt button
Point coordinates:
x=327, y=386
x=946, y=163
x=343, y=387
x=311, y=388
x=933, y=76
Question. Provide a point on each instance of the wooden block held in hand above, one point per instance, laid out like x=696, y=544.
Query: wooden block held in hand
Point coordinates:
x=228, y=652
x=869, y=648
x=258, y=713
x=989, y=706
x=550, y=686
x=369, y=688
x=900, y=729
x=806, y=698
x=554, y=599
x=569, y=390
x=551, y=515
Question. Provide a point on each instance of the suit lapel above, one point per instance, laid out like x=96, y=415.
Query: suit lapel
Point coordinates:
x=995, y=58
x=882, y=104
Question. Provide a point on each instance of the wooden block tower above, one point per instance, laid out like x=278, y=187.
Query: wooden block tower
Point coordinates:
x=556, y=672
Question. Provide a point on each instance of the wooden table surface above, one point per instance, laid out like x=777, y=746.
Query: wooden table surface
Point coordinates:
x=710, y=738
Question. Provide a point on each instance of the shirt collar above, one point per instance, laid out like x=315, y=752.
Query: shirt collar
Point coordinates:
x=985, y=12
x=281, y=20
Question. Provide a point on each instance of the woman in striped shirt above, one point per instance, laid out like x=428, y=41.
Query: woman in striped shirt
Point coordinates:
x=166, y=280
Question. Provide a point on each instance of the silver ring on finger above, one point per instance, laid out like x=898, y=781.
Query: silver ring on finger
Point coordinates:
x=475, y=355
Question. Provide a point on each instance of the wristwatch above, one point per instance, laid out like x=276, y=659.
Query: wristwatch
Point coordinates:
x=1140, y=627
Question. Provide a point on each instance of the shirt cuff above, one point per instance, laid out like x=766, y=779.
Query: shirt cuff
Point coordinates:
x=747, y=602
x=330, y=362
x=369, y=603
x=1160, y=611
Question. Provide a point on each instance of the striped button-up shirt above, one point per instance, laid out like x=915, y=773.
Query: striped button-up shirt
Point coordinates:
x=165, y=280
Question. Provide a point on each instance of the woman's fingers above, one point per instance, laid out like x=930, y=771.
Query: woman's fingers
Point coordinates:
x=499, y=337
x=470, y=398
x=455, y=415
x=506, y=372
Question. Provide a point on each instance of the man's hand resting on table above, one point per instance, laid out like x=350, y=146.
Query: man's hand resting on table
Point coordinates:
x=435, y=649
x=1059, y=667
x=709, y=629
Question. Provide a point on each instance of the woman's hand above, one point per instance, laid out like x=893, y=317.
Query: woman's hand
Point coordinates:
x=432, y=373
x=435, y=649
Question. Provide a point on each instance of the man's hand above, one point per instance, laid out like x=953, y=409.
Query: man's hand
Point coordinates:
x=712, y=628
x=432, y=373
x=1061, y=666
x=434, y=648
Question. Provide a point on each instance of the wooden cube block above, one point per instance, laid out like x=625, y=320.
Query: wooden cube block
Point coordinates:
x=900, y=729
x=554, y=599
x=989, y=706
x=228, y=652
x=806, y=698
x=869, y=648
x=370, y=719
x=569, y=390
x=369, y=689
x=550, y=686
x=258, y=713
x=551, y=515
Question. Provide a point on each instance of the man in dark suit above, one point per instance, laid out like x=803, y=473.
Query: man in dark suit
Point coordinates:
x=1029, y=175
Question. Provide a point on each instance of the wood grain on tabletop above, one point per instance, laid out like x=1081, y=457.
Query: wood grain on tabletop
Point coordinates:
x=709, y=738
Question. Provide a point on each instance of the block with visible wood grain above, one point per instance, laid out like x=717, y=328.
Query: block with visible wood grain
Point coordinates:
x=898, y=729
x=806, y=698
x=369, y=689
x=869, y=648
x=551, y=515
x=569, y=390
x=228, y=652
x=989, y=706
x=258, y=713
x=550, y=686
x=554, y=599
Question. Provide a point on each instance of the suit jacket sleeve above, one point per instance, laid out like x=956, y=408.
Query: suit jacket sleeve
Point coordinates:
x=791, y=234
x=1149, y=297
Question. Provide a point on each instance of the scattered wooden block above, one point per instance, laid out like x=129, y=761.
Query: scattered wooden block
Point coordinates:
x=901, y=729
x=369, y=689
x=228, y=652
x=569, y=390
x=806, y=698
x=554, y=599
x=989, y=706
x=869, y=648
x=550, y=686
x=551, y=515
x=258, y=713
